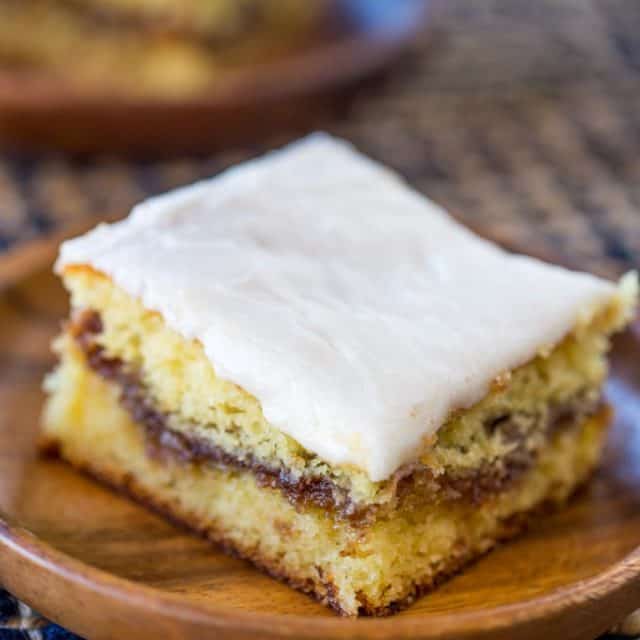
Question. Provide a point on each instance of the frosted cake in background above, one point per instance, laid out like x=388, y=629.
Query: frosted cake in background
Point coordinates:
x=160, y=48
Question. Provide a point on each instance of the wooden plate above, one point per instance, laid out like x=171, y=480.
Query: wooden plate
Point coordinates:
x=107, y=568
x=249, y=101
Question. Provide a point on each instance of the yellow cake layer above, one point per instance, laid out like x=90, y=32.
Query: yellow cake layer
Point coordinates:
x=181, y=381
x=358, y=568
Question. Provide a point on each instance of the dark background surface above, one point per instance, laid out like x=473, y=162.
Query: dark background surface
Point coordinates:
x=522, y=118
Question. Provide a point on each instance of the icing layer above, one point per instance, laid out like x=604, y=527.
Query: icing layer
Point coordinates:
x=355, y=310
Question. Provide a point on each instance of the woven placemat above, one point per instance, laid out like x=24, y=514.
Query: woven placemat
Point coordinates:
x=522, y=118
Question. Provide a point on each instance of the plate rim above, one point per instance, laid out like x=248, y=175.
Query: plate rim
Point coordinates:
x=617, y=589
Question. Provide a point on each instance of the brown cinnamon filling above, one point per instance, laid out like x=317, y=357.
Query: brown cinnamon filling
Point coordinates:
x=163, y=443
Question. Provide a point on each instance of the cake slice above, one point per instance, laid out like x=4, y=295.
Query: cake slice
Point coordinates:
x=310, y=363
x=156, y=48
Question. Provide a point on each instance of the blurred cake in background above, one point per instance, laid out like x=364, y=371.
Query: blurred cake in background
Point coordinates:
x=163, y=48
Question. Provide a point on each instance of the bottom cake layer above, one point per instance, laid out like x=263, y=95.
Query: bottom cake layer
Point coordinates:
x=371, y=568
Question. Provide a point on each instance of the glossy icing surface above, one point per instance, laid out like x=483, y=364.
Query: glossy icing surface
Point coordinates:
x=354, y=309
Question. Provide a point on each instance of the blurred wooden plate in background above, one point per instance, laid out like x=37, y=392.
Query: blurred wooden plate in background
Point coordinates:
x=356, y=39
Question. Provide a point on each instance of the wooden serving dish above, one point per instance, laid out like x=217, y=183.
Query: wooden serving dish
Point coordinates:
x=248, y=102
x=107, y=568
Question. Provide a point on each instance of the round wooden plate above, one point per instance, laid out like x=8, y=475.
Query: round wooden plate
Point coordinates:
x=107, y=568
x=357, y=38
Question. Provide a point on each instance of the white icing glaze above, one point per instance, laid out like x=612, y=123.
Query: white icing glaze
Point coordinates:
x=354, y=309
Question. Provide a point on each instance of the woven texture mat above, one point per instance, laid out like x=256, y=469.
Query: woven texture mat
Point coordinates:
x=521, y=117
